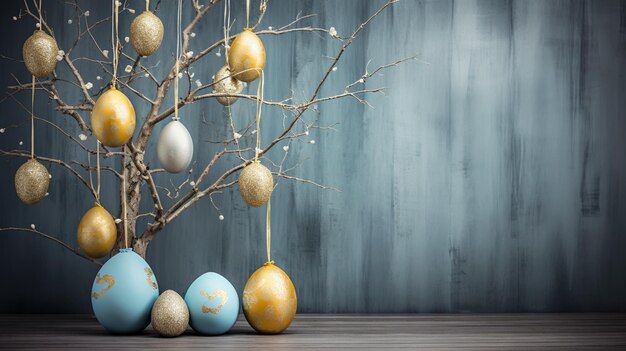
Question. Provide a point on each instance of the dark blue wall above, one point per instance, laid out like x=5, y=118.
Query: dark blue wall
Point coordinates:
x=491, y=179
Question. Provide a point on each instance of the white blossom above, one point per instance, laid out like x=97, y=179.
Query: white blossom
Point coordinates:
x=2, y=130
x=146, y=75
x=47, y=194
x=257, y=150
x=32, y=226
x=306, y=132
x=311, y=141
x=59, y=58
x=98, y=78
x=38, y=25
x=15, y=18
x=286, y=148
x=193, y=34
x=218, y=53
x=189, y=54
x=191, y=74
x=213, y=77
x=21, y=143
x=49, y=176
x=198, y=83
x=126, y=39
x=82, y=137
x=253, y=132
x=88, y=85
x=270, y=28
x=131, y=10
x=361, y=80
x=221, y=217
x=237, y=135
x=332, y=31
x=192, y=183
x=87, y=13
x=105, y=53
x=334, y=68
x=118, y=221
x=69, y=21
x=128, y=68
x=180, y=75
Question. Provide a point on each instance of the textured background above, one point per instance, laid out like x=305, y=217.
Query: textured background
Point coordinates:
x=492, y=179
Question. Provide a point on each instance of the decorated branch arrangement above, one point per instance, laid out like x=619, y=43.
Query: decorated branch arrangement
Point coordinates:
x=125, y=294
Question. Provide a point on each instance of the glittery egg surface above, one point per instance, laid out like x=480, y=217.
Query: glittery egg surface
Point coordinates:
x=97, y=232
x=226, y=84
x=269, y=300
x=31, y=182
x=175, y=147
x=123, y=293
x=246, y=56
x=170, y=316
x=40, y=51
x=256, y=184
x=146, y=33
x=213, y=304
x=113, y=118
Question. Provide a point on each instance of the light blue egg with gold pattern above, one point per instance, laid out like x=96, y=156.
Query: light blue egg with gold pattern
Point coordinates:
x=213, y=304
x=123, y=293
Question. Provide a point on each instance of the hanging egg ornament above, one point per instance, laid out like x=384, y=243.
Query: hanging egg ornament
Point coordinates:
x=170, y=316
x=256, y=184
x=123, y=293
x=269, y=300
x=113, y=118
x=175, y=147
x=213, y=304
x=146, y=33
x=246, y=56
x=31, y=182
x=97, y=232
x=224, y=83
x=40, y=52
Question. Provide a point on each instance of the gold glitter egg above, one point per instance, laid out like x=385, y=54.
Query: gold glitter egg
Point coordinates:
x=246, y=57
x=40, y=52
x=226, y=84
x=113, y=118
x=269, y=300
x=146, y=33
x=170, y=315
x=97, y=232
x=256, y=184
x=31, y=182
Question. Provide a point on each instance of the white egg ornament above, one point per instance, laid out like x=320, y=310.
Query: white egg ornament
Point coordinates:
x=175, y=147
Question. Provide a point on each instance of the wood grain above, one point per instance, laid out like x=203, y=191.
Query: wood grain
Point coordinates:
x=350, y=332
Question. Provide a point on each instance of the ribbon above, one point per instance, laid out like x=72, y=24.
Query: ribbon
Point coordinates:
x=268, y=231
x=247, y=13
x=115, y=41
x=124, y=215
x=259, y=104
x=32, y=119
x=178, y=30
x=147, y=5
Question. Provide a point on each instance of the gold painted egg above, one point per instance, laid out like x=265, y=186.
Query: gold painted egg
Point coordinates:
x=31, y=182
x=246, y=57
x=226, y=84
x=269, y=300
x=146, y=33
x=256, y=184
x=97, y=232
x=170, y=315
x=113, y=118
x=40, y=52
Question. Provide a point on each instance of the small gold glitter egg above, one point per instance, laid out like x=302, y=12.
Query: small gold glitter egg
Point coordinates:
x=256, y=184
x=97, y=232
x=246, y=56
x=113, y=118
x=269, y=300
x=170, y=315
x=226, y=84
x=40, y=52
x=146, y=33
x=31, y=182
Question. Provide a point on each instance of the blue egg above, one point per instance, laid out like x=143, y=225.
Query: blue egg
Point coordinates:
x=123, y=293
x=213, y=304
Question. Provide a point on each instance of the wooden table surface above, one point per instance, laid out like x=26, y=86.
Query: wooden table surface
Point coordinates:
x=331, y=332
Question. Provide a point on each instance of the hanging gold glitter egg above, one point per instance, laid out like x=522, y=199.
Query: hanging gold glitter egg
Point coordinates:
x=256, y=184
x=113, y=118
x=146, y=33
x=97, y=232
x=40, y=52
x=246, y=56
x=269, y=300
x=226, y=84
x=31, y=182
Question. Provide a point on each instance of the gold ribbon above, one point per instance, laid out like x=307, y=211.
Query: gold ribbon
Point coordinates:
x=115, y=41
x=147, y=5
x=32, y=120
x=268, y=231
x=124, y=198
x=259, y=104
x=226, y=28
x=247, y=13
x=98, y=172
x=178, y=30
